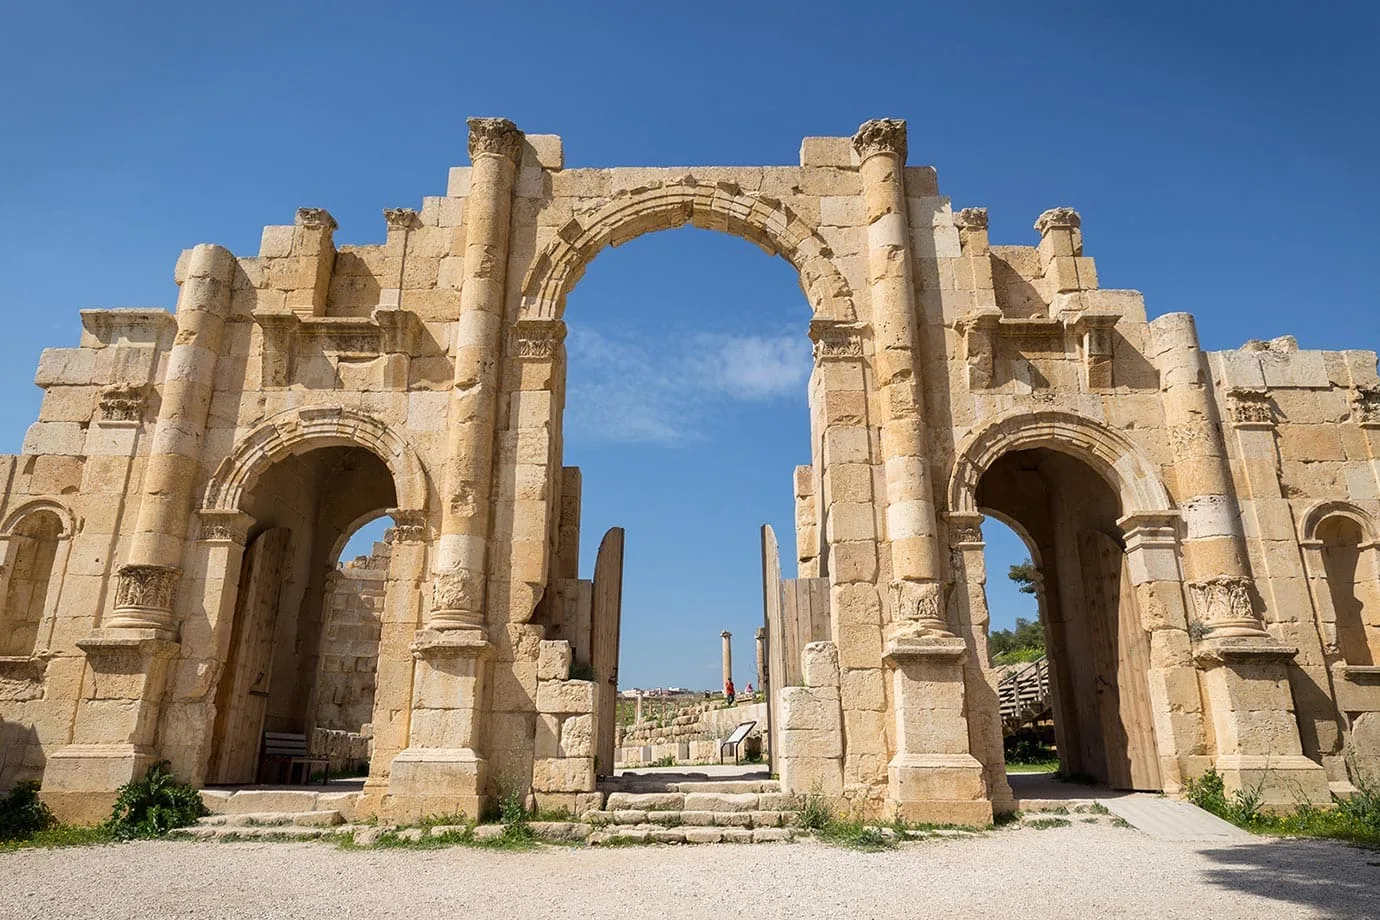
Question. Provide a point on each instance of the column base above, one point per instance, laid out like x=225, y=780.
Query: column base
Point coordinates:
x=1284, y=782
x=80, y=781
x=938, y=789
x=427, y=782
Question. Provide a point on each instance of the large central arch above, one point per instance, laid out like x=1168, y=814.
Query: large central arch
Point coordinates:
x=722, y=206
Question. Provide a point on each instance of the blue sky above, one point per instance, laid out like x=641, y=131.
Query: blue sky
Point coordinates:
x=1222, y=156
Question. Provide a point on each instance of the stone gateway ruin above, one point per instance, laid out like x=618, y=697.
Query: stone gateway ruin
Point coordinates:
x=1206, y=524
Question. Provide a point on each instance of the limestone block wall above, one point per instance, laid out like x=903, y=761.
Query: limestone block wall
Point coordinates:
x=349, y=654
x=693, y=735
x=81, y=460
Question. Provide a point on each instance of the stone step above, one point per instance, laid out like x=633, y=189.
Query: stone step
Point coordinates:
x=691, y=835
x=242, y=832
x=646, y=801
x=732, y=786
x=274, y=819
x=757, y=818
x=278, y=801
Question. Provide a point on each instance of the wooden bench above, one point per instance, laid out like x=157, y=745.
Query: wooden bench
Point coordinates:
x=292, y=748
x=735, y=740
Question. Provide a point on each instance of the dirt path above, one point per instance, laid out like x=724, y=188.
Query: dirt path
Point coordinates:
x=1082, y=872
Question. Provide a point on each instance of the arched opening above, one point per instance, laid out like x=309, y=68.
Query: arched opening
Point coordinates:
x=303, y=649
x=33, y=547
x=1016, y=645
x=1351, y=587
x=1098, y=650
x=686, y=412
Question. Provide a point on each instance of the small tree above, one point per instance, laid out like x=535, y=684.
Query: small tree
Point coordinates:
x=1024, y=575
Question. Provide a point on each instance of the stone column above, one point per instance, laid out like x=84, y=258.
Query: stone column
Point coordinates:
x=1214, y=548
x=933, y=776
x=146, y=585
x=1245, y=670
x=637, y=715
x=916, y=589
x=728, y=656
x=458, y=574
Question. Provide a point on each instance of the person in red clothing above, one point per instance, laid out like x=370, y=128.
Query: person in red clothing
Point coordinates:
x=729, y=693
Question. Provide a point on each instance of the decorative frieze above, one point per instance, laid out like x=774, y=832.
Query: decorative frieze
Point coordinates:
x=408, y=527
x=536, y=338
x=881, y=135
x=836, y=341
x=1365, y=407
x=1250, y=406
x=123, y=402
x=224, y=526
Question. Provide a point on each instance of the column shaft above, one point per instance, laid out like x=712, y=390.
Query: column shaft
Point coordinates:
x=1214, y=549
x=458, y=586
x=146, y=583
x=910, y=517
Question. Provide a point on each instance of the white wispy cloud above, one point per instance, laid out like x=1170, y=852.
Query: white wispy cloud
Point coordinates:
x=632, y=389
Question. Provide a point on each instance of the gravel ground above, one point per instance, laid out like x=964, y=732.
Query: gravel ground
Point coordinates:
x=1087, y=872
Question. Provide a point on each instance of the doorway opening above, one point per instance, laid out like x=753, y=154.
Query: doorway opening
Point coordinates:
x=1097, y=651
x=295, y=699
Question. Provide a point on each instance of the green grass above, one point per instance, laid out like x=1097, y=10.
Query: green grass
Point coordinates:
x=62, y=835
x=1041, y=824
x=855, y=835
x=1039, y=766
x=1353, y=819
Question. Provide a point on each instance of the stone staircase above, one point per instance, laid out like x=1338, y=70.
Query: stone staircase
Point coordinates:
x=274, y=814
x=641, y=809
x=647, y=809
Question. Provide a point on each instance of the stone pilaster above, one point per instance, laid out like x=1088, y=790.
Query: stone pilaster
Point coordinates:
x=458, y=600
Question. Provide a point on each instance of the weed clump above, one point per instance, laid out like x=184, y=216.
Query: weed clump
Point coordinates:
x=154, y=805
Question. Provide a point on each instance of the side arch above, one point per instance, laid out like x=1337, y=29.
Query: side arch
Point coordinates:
x=1321, y=511
x=722, y=206
x=64, y=514
x=298, y=431
x=1119, y=461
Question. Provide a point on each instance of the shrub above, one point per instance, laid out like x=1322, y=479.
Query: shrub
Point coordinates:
x=22, y=813
x=512, y=812
x=154, y=805
x=815, y=814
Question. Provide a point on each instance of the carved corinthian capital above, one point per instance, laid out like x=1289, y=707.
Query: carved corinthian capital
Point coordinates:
x=971, y=219
x=1224, y=606
x=495, y=135
x=881, y=135
x=400, y=218
x=919, y=609
x=1058, y=219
